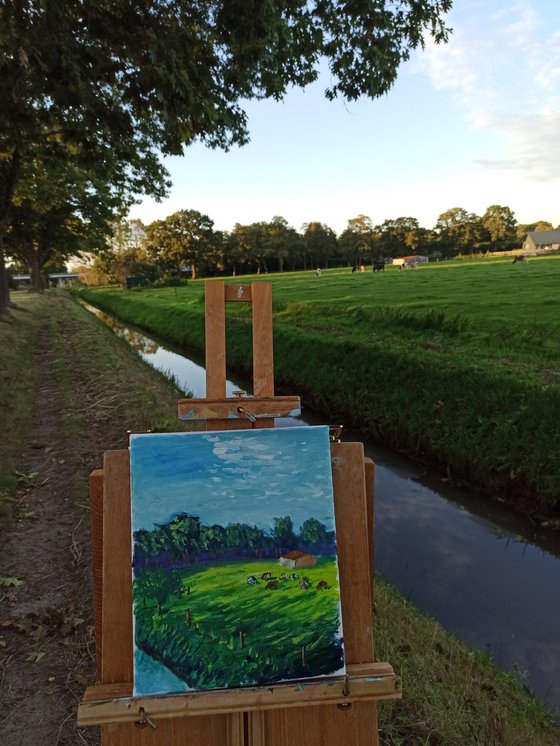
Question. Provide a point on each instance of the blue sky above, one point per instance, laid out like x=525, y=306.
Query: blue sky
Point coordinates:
x=469, y=124
x=246, y=476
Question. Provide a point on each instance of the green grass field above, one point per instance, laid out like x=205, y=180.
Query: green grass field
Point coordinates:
x=456, y=363
x=222, y=630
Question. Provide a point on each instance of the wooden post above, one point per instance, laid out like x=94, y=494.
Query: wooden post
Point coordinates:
x=215, y=334
x=96, y=530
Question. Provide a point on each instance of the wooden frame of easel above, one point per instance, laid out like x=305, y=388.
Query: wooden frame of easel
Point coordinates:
x=322, y=712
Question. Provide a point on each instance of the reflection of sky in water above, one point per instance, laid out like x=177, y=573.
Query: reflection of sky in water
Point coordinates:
x=494, y=592
x=189, y=376
x=464, y=568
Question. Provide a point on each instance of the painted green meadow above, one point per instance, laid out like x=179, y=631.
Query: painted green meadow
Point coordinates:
x=456, y=363
x=219, y=630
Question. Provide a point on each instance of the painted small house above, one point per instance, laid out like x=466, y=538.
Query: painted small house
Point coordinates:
x=297, y=559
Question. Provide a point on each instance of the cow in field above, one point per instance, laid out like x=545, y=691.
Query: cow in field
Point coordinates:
x=266, y=576
x=378, y=265
x=304, y=584
x=251, y=579
x=519, y=258
x=271, y=585
x=322, y=585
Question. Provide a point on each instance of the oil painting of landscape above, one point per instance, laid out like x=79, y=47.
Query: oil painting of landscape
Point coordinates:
x=235, y=579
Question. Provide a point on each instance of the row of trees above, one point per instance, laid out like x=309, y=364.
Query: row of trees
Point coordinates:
x=184, y=539
x=94, y=94
x=187, y=239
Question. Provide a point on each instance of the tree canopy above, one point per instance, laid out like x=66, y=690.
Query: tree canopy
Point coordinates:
x=128, y=81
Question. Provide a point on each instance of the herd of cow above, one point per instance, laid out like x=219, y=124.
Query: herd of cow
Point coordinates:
x=272, y=583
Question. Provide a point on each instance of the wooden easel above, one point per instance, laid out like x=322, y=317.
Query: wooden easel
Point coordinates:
x=323, y=712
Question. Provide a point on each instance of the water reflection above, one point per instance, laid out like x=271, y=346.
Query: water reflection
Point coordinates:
x=489, y=576
x=188, y=375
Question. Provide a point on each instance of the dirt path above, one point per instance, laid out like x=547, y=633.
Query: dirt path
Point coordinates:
x=46, y=617
x=87, y=384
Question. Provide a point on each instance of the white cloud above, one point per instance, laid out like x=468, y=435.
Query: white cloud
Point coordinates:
x=502, y=68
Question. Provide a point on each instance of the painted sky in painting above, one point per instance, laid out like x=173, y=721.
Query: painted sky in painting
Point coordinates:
x=249, y=476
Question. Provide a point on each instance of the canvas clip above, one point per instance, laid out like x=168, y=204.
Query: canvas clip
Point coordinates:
x=247, y=414
x=335, y=431
x=145, y=721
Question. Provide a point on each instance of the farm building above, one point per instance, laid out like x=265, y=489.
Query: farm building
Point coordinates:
x=408, y=261
x=56, y=279
x=297, y=559
x=542, y=241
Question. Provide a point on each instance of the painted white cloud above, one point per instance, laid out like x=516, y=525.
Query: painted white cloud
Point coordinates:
x=502, y=68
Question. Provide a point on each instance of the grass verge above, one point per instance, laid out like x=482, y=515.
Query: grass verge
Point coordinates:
x=455, y=364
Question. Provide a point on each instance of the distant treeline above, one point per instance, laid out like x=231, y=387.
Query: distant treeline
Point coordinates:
x=186, y=245
x=185, y=540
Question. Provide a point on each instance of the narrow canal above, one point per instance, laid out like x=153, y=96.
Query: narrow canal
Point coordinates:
x=490, y=577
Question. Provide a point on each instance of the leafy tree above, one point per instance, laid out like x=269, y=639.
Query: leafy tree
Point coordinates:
x=237, y=536
x=283, y=243
x=252, y=245
x=320, y=245
x=356, y=241
x=184, y=238
x=313, y=531
x=125, y=255
x=60, y=209
x=213, y=539
x=460, y=230
x=131, y=79
x=501, y=225
x=183, y=536
x=283, y=533
x=257, y=540
x=397, y=237
x=160, y=584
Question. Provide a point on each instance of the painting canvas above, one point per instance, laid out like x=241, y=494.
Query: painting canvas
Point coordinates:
x=234, y=564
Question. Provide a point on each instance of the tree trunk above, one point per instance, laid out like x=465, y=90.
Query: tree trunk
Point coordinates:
x=34, y=264
x=193, y=271
x=7, y=187
x=4, y=287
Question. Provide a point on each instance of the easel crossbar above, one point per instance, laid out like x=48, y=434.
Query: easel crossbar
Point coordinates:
x=216, y=409
x=377, y=683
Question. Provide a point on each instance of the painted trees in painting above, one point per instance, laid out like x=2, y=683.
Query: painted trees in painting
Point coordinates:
x=284, y=537
x=313, y=532
x=184, y=540
x=215, y=605
x=159, y=585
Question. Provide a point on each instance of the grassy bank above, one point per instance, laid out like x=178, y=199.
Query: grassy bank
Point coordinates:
x=44, y=322
x=455, y=363
x=452, y=696
x=18, y=334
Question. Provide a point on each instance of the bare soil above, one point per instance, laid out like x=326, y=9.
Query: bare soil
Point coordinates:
x=48, y=639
